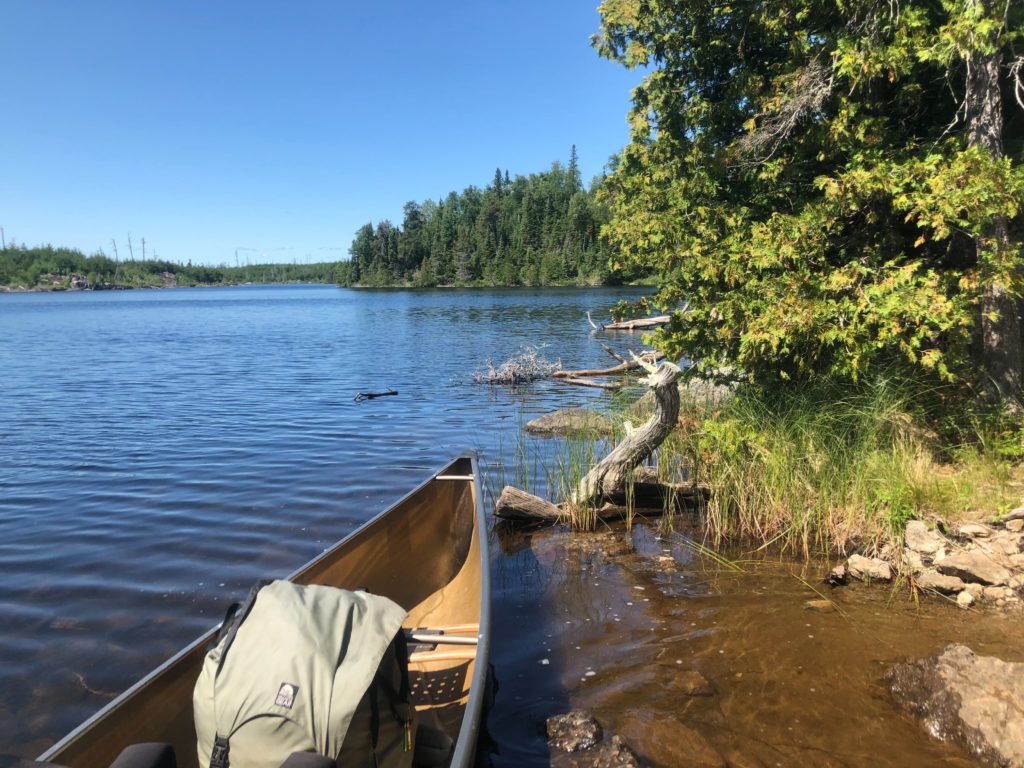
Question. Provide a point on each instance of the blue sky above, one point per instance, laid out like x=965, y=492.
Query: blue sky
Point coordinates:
x=283, y=126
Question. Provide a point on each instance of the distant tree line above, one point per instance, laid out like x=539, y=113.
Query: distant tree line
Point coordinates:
x=541, y=229
x=60, y=268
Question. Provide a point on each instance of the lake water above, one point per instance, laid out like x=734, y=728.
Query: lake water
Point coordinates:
x=160, y=451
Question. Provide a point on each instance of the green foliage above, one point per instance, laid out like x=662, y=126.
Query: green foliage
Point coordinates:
x=536, y=230
x=800, y=173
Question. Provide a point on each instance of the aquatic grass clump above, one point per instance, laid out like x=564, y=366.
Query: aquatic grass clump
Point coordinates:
x=525, y=367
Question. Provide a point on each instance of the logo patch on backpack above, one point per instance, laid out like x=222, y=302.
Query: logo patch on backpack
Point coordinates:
x=286, y=695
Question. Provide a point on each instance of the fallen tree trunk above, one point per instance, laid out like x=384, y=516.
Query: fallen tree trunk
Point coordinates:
x=623, y=367
x=609, y=476
x=638, y=324
x=514, y=504
x=517, y=505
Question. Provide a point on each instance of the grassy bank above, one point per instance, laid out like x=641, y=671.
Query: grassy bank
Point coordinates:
x=824, y=468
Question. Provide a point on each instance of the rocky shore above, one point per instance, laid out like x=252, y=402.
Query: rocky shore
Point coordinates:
x=972, y=563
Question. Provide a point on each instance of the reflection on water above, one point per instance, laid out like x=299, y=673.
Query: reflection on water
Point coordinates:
x=160, y=451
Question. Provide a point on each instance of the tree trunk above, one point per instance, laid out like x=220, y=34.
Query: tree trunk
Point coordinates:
x=608, y=478
x=1000, y=326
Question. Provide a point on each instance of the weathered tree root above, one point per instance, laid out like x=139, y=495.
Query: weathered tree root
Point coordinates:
x=607, y=486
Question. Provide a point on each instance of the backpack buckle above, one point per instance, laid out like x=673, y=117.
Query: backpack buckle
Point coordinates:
x=219, y=756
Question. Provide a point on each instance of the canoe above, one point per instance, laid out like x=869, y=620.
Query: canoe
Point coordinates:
x=428, y=553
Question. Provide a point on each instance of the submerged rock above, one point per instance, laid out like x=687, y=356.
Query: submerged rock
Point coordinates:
x=868, y=568
x=574, y=731
x=977, y=700
x=569, y=421
x=614, y=753
x=974, y=566
x=693, y=683
x=820, y=606
x=666, y=741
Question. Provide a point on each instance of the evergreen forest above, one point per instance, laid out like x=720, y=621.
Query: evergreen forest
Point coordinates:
x=536, y=230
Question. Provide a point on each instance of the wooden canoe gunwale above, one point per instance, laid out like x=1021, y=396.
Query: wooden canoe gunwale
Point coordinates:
x=465, y=743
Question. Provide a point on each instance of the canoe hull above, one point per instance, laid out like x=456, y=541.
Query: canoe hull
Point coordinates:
x=428, y=553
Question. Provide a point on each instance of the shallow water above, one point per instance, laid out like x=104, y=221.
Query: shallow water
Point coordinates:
x=162, y=450
x=629, y=617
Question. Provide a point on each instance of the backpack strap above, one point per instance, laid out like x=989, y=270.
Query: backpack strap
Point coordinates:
x=236, y=615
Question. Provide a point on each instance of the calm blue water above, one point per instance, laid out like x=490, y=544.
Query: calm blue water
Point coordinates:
x=162, y=450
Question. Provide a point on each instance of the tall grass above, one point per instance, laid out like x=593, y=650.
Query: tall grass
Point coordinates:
x=830, y=467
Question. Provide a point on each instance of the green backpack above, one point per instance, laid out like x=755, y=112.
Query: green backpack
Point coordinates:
x=306, y=668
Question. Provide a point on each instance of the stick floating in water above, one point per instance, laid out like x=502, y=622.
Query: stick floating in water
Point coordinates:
x=360, y=396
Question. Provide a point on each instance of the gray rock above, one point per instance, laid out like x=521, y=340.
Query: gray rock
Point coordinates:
x=912, y=560
x=837, y=576
x=974, y=531
x=974, y=566
x=977, y=700
x=569, y=421
x=868, y=569
x=998, y=593
x=574, y=731
x=936, y=582
x=1016, y=514
x=920, y=539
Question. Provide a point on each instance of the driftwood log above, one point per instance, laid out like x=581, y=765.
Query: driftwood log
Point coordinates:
x=637, y=325
x=624, y=367
x=610, y=475
x=618, y=477
x=520, y=506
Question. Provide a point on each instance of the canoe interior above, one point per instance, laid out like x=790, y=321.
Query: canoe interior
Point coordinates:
x=426, y=553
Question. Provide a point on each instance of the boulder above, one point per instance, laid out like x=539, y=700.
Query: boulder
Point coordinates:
x=965, y=599
x=974, y=566
x=570, y=421
x=868, y=568
x=1015, y=526
x=936, y=582
x=920, y=539
x=977, y=700
x=574, y=731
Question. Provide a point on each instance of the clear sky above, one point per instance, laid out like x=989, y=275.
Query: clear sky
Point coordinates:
x=283, y=126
